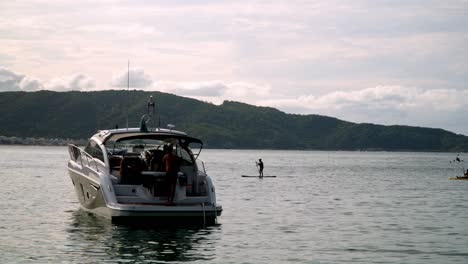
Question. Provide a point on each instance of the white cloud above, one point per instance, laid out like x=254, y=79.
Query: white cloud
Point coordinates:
x=247, y=91
x=77, y=82
x=193, y=89
x=443, y=108
x=138, y=79
x=215, y=91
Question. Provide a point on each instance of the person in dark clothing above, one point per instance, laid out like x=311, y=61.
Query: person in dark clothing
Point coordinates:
x=260, y=168
x=171, y=164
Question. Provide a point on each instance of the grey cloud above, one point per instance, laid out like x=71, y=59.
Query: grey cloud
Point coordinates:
x=9, y=81
x=28, y=84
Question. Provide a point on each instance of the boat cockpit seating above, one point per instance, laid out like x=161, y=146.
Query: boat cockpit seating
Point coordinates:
x=130, y=170
x=154, y=159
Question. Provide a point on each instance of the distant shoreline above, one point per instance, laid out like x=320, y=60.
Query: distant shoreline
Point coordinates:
x=40, y=141
x=18, y=141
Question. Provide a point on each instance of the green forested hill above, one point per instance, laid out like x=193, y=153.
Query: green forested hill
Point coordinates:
x=78, y=115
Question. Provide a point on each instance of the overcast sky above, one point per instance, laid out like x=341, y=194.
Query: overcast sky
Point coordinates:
x=374, y=61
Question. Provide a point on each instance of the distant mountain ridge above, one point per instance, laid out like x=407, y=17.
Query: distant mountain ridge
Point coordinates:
x=78, y=115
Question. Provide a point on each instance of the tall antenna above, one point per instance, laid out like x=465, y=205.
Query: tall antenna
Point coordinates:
x=159, y=117
x=128, y=88
x=151, y=106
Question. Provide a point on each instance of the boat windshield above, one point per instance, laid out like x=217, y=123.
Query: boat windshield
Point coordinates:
x=122, y=147
x=145, y=146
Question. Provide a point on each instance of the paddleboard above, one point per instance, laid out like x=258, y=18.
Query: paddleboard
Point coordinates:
x=458, y=178
x=266, y=176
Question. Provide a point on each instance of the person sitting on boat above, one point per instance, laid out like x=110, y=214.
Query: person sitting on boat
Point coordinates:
x=171, y=163
x=260, y=167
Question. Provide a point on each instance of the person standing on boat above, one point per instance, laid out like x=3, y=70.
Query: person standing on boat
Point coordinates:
x=260, y=167
x=171, y=163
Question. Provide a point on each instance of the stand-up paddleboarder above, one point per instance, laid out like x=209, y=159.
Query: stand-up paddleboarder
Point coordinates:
x=260, y=168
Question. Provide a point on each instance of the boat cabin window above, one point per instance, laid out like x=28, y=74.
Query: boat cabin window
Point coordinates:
x=93, y=149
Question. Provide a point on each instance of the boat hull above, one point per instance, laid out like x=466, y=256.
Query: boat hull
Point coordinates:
x=92, y=198
x=88, y=191
x=155, y=214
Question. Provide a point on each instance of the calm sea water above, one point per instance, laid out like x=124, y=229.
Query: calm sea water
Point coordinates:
x=324, y=207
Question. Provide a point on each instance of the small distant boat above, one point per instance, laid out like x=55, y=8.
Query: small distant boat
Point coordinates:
x=119, y=175
x=459, y=178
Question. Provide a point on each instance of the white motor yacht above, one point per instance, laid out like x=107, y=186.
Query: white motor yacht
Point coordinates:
x=120, y=174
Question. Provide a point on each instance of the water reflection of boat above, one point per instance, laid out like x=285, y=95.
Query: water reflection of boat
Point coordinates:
x=120, y=175
x=105, y=242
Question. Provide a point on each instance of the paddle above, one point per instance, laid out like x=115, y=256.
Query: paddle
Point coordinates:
x=256, y=176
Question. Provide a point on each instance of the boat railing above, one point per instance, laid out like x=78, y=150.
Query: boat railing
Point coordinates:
x=201, y=166
x=80, y=156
